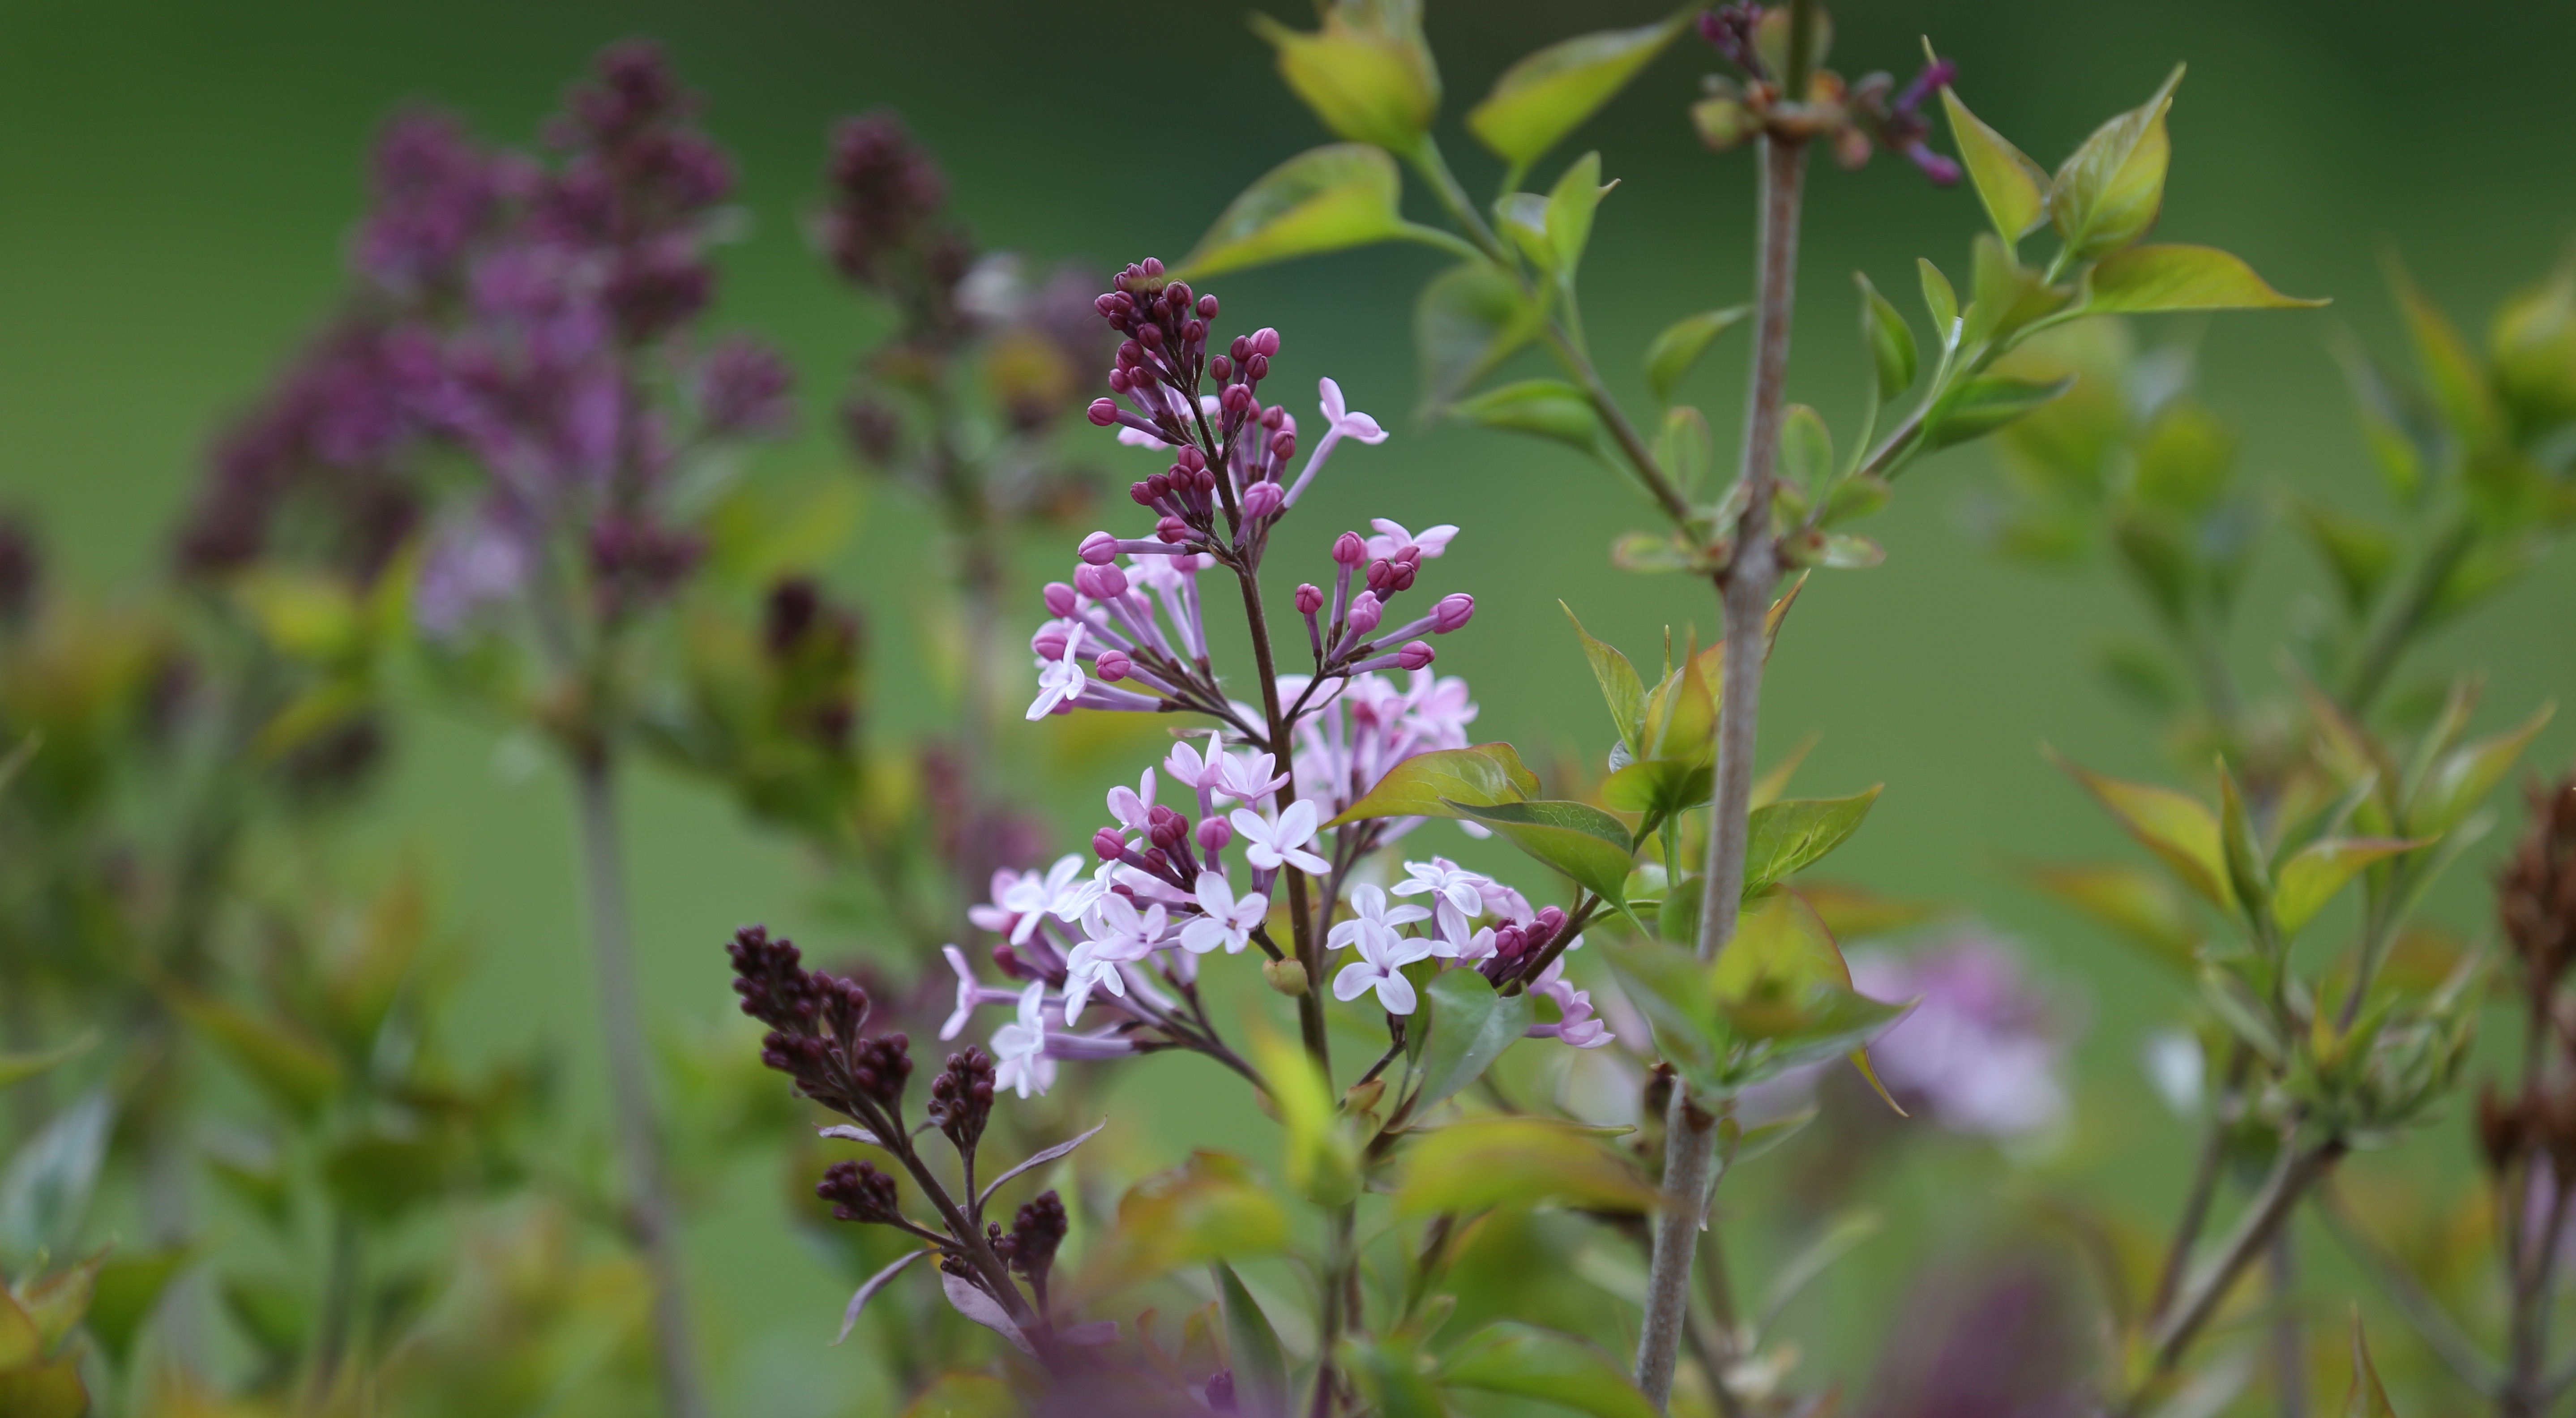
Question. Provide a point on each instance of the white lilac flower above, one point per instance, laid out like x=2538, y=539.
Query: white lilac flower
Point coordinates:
x=1189, y=769
x=1063, y=893
x=1116, y=934
x=1269, y=845
x=1134, y=809
x=1374, y=921
x=971, y=993
x=1381, y=967
x=1392, y=538
x=999, y=915
x=1020, y=1062
x=1246, y=777
x=1060, y=680
x=1456, y=885
x=1575, y=1023
x=1340, y=421
x=1228, y=920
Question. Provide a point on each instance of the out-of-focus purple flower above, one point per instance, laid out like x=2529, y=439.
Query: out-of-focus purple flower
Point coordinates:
x=433, y=193
x=2004, y=1337
x=22, y=569
x=1985, y=1051
x=743, y=390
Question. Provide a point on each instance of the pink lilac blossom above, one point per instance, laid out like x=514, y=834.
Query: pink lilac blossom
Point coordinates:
x=1373, y=921
x=1985, y=1052
x=1228, y=920
x=1270, y=845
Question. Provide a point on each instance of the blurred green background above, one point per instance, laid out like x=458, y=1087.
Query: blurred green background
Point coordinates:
x=176, y=182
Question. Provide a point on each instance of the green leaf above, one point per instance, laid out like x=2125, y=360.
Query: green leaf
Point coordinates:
x=1578, y=839
x=2010, y=185
x=2465, y=775
x=1786, y=837
x=2107, y=195
x=1670, y=358
x=1620, y=687
x=51, y=1390
x=1212, y=1207
x=1522, y=216
x=2367, y=1398
x=380, y=1176
x=2144, y=279
x=2249, y=871
x=51, y=1177
x=1570, y=205
x=2459, y=386
x=56, y=1302
x=1806, y=449
x=1324, y=199
x=1682, y=449
x=1433, y=784
x=1668, y=984
x=1550, y=408
x=2008, y=295
x=127, y=1289
x=2360, y=553
x=2311, y=877
x=1471, y=1026
x=1470, y=319
x=1842, y=551
x=1659, y=553
x=18, y=1068
x=1367, y=73
x=1322, y=1158
x=1491, y=1162
x=297, y=1072
x=2531, y=346
x=1252, y=1349
x=1942, y=301
x=2177, y=827
x=1976, y=407
x=1549, y=94
x=1888, y=338
x=1659, y=788
x=21, y=1343
x=1528, y=1362
x=2133, y=903
x=1390, y=1377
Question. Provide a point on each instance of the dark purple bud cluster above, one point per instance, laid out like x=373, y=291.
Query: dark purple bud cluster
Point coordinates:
x=2536, y=889
x=1029, y=1247
x=815, y=647
x=636, y=561
x=815, y=1020
x=859, y=1192
x=433, y=194
x=1165, y=853
x=1519, y=949
x=1729, y=28
x=636, y=185
x=886, y=228
x=22, y=570
x=742, y=391
x=961, y=1099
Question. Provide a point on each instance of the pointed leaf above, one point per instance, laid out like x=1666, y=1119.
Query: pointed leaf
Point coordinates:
x=1471, y=1026
x=1976, y=407
x=2359, y=552
x=1677, y=994
x=1212, y=1207
x=128, y=1288
x=1321, y=1159
x=2107, y=195
x=1620, y=687
x=1570, y=205
x=1550, y=408
x=1039, y=1158
x=1942, y=301
x=868, y=1291
x=2010, y=185
x=966, y=1299
x=1528, y=1362
x=1260, y=1366
x=2320, y=869
x=2459, y=385
x=2464, y=776
x=1433, y=784
x=1549, y=94
x=1470, y=319
x=1889, y=339
x=1366, y=73
x=2367, y=1398
x=2249, y=871
x=1786, y=837
x=2133, y=903
x=1682, y=448
x=19, y=1067
x=1490, y=1162
x=2144, y=279
x=1670, y=358
x=2177, y=827
x=1578, y=839
x=296, y=1071
x=1324, y=199
x=2007, y=295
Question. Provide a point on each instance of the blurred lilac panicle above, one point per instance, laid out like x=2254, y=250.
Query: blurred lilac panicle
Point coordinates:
x=2003, y=1336
x=1985, y=1051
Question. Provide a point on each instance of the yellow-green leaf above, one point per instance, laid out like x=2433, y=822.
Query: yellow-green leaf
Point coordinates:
x=1490, y=1162
x=1681, y=344
x=2459, y=385
x=1784, y=838
x=2133, y=903
x=1322, y=1157
x=1550, y=408
x=2011, y=186
x=1367, y=73
x=2177, y=827
x=2107, y=195
x=1212, y=1207
x=1435, y=784
x=296, y=1071
x=2311, y=877
x=1889, y=339
x=1324, y=199
x=1570, y=205
x=2144, y=279
x=1469, y=319
x=1528, y=1362
x=2465, y=775
x=2367, y=1398
x=1549, y=94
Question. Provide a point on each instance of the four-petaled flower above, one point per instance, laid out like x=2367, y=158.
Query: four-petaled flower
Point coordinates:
x=1117, y=934
x=1270, y=845
x=1134, y=810
x=1245, y=777
x=1575, y=1022
x=1060, y=680
x=1063, y=893
x=1458, y=886
x=1019, y=1047
x=1373, y=920
x=1381, y=967
x=1229, y=921
x=1189, y=769
x=1343, y=421
x=1392, y=538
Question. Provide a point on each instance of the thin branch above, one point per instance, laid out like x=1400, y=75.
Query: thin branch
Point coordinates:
x=2440, y=1332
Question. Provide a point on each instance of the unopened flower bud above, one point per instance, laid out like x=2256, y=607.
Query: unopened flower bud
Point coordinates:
x=1221, y=369
x=1288, y=977
x=1059, y=599
x=1349, y=550
x=1257, y=368
x=1113, y=665
x=1172, y=530
x=1238, y=399
x=1167, y=828
x=1283, y=444
x=1107, y=845
x=1207, y=307
x=1048, y=643
x=1188, y=460
x=1415, y=654
x=1365, y=613
x=1214, y=834
x=1310, y=598
x=1262, y=499
x=1454, y=610
x=1265, y=341
x=1099, y=549
x=1101, y=583
x=1104, y=412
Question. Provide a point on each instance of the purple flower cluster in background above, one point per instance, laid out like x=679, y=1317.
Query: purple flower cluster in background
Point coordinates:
x=1985, y=1051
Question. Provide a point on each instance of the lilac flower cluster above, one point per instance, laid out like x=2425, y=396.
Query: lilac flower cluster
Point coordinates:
x=1119, y=944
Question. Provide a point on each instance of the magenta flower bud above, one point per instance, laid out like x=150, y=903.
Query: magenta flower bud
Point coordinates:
x=1104, y=412
x=1153, y=267
x=1110, y=306
x=1207, y=307
x=1141, y=493
x=1059, y=599
x=1509, y=942
x=1257, y=368
x=1365, y=613
x=1220, y=369
x=1101, y=583
x=1241, y=349
x=1194, y=333
x=1310, y=599
x=1399, y=575
x=1048, y=643
x=1380, y=574
x=1172, y=530
x=1415, y=655
x=1158, y=487
x=1238, y=399
x=1188, y=460
x=1454, y=610
x=1349, y=550
x=1265, y=341
x=1099, y=549
x=1262, y=499
x=1113, y=665
x=1150, y=336
x=1107, y=845
x=1283, y=445
x=1214, y=834
x=1131, y=355
x=1275, y=417
x=1167, y=829
x=1119, y=383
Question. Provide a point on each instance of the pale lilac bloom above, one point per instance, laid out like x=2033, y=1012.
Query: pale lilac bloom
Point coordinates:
x=1381, y=967
x=1456, y=885
x=1392, y=538
x=1060, y=681
x=1576, y=1024
x=1983, y=1051
x=1373, y=920
x=1063, y=893
x=1020, y=1061
x=1270, y=845
x=971, y=993
x=1369, y=725
x=997, y=916
x=1246, y=777
x=1191, y=770
x=1340, y=422
x=1116, y=934
x=1507, y=903
x=1451, y=940
x=1229, y=921
x=1134, y=809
